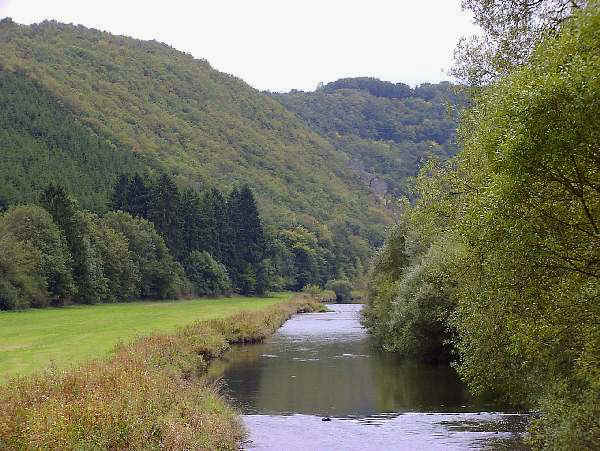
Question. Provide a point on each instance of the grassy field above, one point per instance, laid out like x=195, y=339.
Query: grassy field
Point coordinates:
x=35, y=339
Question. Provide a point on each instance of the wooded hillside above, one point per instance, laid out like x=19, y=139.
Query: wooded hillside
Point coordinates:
x=387, y=130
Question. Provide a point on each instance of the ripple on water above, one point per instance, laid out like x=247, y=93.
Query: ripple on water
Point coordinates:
x=323, y=365
x=393, y=432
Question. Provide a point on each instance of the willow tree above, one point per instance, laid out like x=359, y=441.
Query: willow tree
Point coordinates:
x=529, y=310
x=510, y=29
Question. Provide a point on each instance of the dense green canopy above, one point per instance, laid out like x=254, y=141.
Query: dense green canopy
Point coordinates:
x=385, y=129
x=502, y=249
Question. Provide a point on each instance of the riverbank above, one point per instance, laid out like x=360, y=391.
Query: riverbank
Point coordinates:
x=148, y=394
x=34, y=339
x=324, y=366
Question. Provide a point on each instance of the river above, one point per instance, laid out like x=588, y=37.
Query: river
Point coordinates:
x=322, y=366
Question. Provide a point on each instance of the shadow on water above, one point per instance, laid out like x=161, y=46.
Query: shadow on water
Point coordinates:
x=323, y=365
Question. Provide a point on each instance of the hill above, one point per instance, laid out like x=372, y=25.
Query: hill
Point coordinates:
x=385, y=129
x=80, y=106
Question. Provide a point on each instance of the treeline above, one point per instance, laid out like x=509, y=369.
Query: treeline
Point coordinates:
x=496, y=266
x=230, y=230
x=202, y=229
x=54, y=253
x=159, y=241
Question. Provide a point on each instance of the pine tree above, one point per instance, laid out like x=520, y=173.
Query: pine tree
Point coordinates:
x=192, y=222
x=247, y=242
x=215, y=233
x=164, y=213
x=138, y=197
x=119, y=199
x=87, y=266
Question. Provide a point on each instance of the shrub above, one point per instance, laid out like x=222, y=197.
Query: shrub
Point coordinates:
x=207, y=275
x=342, y=289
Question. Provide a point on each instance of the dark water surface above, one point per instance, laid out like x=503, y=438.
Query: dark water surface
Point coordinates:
x=322, y=365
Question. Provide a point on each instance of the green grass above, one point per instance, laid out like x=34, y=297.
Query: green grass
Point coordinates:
x=36, y=339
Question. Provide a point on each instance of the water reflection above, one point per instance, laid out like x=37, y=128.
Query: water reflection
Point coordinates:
x=321, y=365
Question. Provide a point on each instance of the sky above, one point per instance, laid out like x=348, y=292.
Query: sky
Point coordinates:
x=281, y=45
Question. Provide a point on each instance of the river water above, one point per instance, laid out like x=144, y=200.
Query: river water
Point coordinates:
x=322, y=365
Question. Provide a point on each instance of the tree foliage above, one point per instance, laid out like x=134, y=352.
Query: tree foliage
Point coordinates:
x=33, y=225
x=151, y=260
x=385, y=129
x=208, y=276
x=510, y=31
x=503, y=243
x=342, y=289
x=21, y=282
x=79, y=106
x=92, y=286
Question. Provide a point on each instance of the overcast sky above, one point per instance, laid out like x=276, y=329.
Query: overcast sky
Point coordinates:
x=281, y=45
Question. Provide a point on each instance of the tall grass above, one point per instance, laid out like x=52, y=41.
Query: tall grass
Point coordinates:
x=150, y=394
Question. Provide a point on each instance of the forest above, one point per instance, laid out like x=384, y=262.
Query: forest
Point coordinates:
x=156, y=241
x=387, y=130
x=80, y=107
x=495, y=265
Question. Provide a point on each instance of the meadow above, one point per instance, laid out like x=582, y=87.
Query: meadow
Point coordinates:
x=36, y=339
x=151, y=393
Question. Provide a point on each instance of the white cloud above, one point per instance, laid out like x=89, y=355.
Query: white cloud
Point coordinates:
x=281, y=45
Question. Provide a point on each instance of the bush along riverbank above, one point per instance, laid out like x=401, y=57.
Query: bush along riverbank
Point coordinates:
x=149, y=394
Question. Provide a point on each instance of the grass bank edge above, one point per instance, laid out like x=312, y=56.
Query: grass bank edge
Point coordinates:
x=35, y=339
x=149, y=394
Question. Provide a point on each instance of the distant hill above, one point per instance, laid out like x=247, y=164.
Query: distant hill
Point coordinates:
x=385, y=129
x=80, y=106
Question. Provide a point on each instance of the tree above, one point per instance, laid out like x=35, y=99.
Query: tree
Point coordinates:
x=247, y=242
x=215, y=231
x=117, y=260
x=158, y=273
x=21, y=284
x=511, y=29
x=164, y=212
x=33, y=225
x=342, y=289
x=208, y=276
x=138, y=197
x=193, y=222
x=87, y=264
x=529, y=318
x=120, y=196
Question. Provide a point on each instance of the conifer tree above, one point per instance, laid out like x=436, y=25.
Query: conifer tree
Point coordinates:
x=193, y=223
x=119, y=199
x=138, y=197
x=87, y=265
x=216, y=232
x=247, y=242
x=163, y=212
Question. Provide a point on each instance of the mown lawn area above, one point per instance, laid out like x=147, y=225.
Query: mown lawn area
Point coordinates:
x=36, y=339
